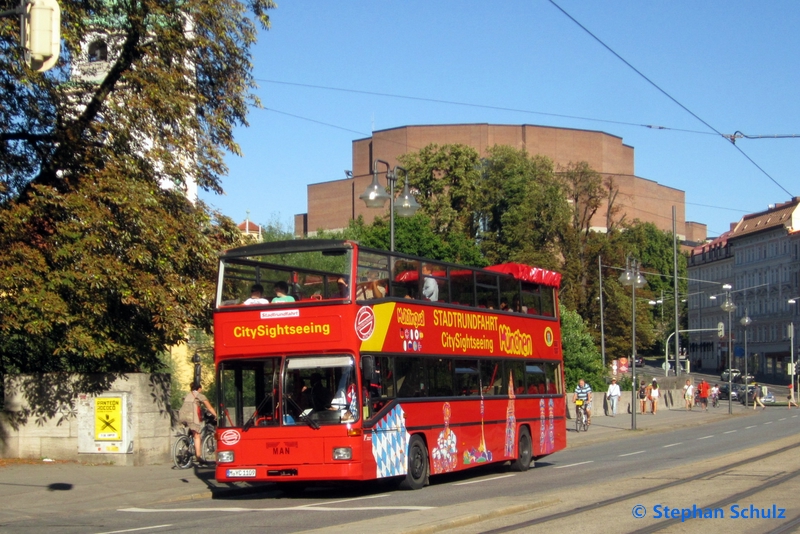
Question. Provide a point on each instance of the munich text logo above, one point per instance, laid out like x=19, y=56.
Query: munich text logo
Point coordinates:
x=516, y=342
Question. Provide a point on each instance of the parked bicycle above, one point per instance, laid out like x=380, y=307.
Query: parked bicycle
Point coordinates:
x=581, y=421
x=183, y=453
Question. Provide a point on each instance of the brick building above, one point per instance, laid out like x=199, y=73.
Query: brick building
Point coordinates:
x=331, y=205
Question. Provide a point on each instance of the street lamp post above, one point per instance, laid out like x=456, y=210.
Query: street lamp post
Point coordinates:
x=729, y=306
x=602, y=326
x=376, y=196
x=745, y=321
x=791, y=341
x=632, y=277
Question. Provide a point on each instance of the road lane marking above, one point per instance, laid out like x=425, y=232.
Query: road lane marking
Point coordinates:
x=751, y=426
x=705, y=437
x=769, y=422
x=673, y=444
x=313, y=507
x=303, y=508
x=345, y=500
x=782, y=419
x=573, y=465
x=729, y=432
x=482, y=480
x=630, y=454
x=134, y=529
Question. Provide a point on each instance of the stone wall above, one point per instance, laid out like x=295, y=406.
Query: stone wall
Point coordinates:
x=45, y=416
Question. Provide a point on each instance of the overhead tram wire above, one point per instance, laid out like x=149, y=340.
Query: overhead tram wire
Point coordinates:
x=480, y=106
x=651, y=82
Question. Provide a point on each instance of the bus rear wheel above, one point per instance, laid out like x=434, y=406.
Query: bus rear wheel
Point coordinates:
x=524, y=451
x=418, y=472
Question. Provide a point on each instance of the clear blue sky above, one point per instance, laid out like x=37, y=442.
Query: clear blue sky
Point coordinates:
x=734, y=64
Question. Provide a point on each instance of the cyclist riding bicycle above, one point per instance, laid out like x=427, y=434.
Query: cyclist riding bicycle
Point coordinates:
x=583, y=392
x=191, y=415
x=714, y=395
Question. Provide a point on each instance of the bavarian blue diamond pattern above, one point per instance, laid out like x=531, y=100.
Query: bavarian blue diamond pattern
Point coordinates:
x=390, y=444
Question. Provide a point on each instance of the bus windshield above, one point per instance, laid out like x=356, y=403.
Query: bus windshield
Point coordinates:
x=320, y=389
x=324, y=273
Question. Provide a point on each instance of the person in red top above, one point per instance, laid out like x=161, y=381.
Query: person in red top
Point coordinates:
x=702, y=393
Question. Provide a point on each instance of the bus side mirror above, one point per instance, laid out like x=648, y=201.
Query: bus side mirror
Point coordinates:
x=368, y=369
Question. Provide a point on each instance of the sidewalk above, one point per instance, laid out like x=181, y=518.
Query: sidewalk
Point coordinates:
x=606, y=428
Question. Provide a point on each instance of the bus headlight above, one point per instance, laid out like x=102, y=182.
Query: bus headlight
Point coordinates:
x=342, y=453
x=224, y=457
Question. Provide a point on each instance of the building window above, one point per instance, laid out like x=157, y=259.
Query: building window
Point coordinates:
x=98, y=51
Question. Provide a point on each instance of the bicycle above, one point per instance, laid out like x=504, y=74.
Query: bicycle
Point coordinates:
x=183, y=454
x=581, y=421
x=714, y=401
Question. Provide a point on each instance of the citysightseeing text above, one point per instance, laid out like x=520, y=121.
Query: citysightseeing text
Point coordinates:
x=275, y=331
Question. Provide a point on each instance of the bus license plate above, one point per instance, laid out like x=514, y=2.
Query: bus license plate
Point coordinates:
x=241, y=473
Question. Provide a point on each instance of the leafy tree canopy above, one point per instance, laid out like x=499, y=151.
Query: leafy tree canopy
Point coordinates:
x=447, y=179
x=581, y=357
x=523, y=208
x=415, y=236
x=102, y=267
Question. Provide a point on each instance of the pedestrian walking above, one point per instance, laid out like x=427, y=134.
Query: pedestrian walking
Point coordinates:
x=688, y=394
x=702, y=391
x=791, y=397
x=642, y=394
x=613, y=395
x=757, y=397
x=654, y=394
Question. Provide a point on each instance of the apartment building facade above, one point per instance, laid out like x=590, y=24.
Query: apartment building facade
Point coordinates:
x=762, y=263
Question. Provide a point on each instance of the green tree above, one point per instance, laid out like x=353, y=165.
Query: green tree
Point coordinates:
x=523, y=209
x=415, y=236
x=581, y=357
x=103, y=267
x=447, y=179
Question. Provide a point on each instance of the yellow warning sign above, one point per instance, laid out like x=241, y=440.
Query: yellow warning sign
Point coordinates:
x=108, y=419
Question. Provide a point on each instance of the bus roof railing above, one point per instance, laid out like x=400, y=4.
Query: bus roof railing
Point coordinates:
x=285, y=247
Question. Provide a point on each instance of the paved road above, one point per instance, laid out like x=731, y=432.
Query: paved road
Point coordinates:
x=84, y=499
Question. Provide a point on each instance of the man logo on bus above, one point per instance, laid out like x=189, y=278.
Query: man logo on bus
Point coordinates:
x=548, y=336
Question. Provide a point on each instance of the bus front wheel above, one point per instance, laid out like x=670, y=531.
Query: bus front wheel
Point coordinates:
x=418, y=471
x=524, y=451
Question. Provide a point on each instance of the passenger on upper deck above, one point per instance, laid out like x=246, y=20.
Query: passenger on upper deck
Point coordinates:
x=430, y=289
x=256, y=295
x=281, y=289
x=371, y=289
x=344, y=289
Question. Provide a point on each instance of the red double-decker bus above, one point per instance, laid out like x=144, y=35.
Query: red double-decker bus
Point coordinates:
x=373, y=364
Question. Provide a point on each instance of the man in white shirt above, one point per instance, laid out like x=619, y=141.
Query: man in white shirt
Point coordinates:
x=613, y=395
x=256, y=295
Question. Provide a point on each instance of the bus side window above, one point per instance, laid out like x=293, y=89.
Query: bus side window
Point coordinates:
x=548, y=302
x=491, y=377
x=553, y=378
x=440, y=378
x=410, y=376
x=514, y=371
